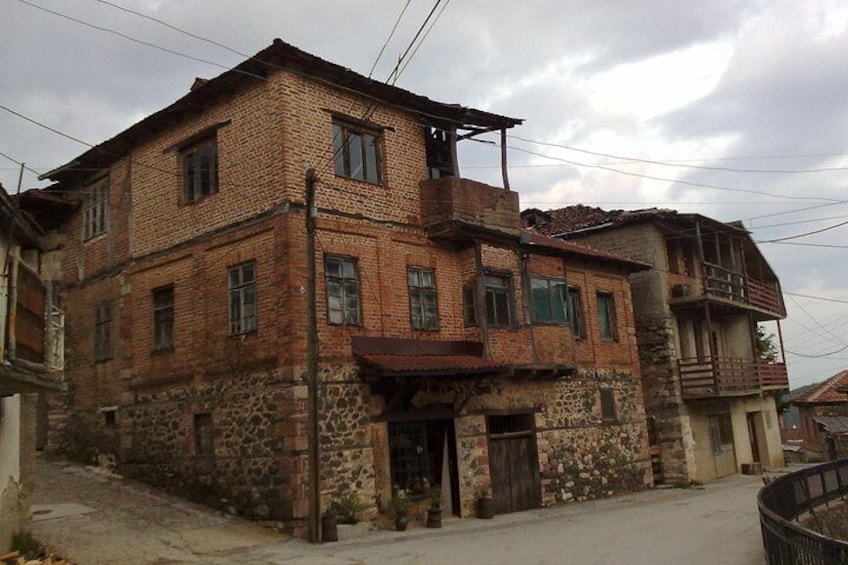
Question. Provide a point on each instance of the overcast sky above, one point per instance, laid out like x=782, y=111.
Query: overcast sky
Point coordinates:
x=757, y=87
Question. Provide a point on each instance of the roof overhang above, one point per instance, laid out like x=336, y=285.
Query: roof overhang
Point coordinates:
x=15, y=380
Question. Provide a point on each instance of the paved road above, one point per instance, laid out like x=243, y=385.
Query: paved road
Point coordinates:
x=95, y=518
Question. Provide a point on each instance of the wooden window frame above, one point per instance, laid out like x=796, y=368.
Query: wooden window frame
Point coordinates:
x=609, y=299
x=95, y=213
x=163, y=318
x=348, y=295
x=469, y=306
x=575, y=310
x=242, y=298
x=200, y=182
x=494, y=314
x=421, y=295
x=549, y=290
x=357, y=152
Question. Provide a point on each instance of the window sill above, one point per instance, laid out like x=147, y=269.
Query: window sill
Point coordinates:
x=361, y=181
x=243, y=334
x=162, y=351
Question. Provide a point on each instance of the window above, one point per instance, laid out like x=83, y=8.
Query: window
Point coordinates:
x=95, y=207
x=243, y=298
x=103, y=332
x=498, y=299
x=416, y=454
x=469, y=311
x=204, y=436
x=575, y=307
x=422, y=298
x=200, y=169
x=548, y=299
x=163, y=318
x=608, y=406
x=606, y=316
x=342, y=290
x=356, y=153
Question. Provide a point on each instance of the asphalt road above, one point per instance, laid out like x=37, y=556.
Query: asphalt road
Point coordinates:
x=96, y=518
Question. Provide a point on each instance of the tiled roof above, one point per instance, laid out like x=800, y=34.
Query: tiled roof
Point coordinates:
x=833, y=424
x=584, y=250
x=431, y=364
x=578, y=217
x=826, y=392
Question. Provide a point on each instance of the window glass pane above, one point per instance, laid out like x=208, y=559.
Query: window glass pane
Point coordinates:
x=333, y=267
x=372, y=171
x=338, y=151
x=495, y=281
x=604, y=317
x=348, y=269
x=427, y=278
x=502, y=308
x=557, y=294
x=412, y=277
x=247, y=273
x=541, y=302
x=355, y=149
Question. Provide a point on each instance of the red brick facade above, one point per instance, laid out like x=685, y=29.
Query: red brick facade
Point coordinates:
x=142, y=404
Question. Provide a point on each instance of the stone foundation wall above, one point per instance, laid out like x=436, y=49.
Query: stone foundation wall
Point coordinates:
x=656, y=338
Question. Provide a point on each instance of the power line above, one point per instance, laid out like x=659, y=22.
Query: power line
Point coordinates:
x=825, y=245
x=389, y=38
x=139, y=41
x=675, y=181
x=800, y=235
x=825, y=299
x=796, y=210
x=671, y=164
x=797, y=221
x=426, y=33
x=395, y=74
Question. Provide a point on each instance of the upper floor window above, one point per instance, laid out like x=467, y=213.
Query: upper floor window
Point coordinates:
x=356, y=153
x=608, y=411
x=606, y=317
x=342, y=290
x=575, y=308
x=95, y=208
x=469, y=310
x=103, y=332
x=548, y=298
x=200, y=169
x=422, y=298
x=163, y=318
x=498, y=299
x=243, y=298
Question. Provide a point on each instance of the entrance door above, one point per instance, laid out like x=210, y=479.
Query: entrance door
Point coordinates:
x=721, y=442
x=514, y=463
x=752, y=436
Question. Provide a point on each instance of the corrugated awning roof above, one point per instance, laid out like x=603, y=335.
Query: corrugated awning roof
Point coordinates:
x=833, y=424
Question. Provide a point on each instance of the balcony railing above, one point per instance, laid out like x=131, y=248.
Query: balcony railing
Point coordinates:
x=734, y=287
x=451, y=201
x=785, y=500
x=725, y=376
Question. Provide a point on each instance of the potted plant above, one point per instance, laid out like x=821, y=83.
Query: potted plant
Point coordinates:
x=346, y=508
x=400, y=508
x=434, y=513
x=485, y=504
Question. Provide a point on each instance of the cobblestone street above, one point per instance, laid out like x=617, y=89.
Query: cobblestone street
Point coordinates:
x=94, y=518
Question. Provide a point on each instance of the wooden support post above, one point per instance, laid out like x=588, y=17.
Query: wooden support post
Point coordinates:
x=480, y=298
x=504, y=172
x=312, y=364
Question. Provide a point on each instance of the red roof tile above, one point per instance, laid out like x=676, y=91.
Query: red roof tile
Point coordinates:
x=578, y=217
x=826, y=392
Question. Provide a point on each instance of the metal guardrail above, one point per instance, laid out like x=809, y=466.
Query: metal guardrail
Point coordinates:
x=785, y=499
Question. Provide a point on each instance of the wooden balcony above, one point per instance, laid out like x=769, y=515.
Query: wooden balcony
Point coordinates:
x=451, y=206
x=730, y=287
x=727, y=376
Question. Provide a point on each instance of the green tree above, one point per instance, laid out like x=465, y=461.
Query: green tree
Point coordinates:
x=766, y=348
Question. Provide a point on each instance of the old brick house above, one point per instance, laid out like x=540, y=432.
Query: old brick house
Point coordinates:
x=455, y=348
x=823, y=410
x=710, y=396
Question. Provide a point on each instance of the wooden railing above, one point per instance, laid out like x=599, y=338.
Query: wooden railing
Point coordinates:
x=736, y=287
x=785, y=499
x=725, y=376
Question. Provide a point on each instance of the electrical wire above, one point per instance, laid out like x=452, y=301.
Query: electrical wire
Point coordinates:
x=139, y=41
x=389, y=38
x=672, y=164
x=800, y=235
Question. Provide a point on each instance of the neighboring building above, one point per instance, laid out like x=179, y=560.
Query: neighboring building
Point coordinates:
x=30, y=359
x=710, y=397
x=824, y=418
x=185, y=280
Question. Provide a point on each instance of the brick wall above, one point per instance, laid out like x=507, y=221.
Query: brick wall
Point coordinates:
x=140, y=405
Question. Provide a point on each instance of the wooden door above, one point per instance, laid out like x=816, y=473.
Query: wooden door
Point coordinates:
x=513, y=464
x=721, y=442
